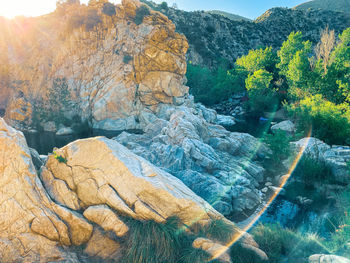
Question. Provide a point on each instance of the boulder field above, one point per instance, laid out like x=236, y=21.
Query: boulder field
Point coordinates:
x=81, y=195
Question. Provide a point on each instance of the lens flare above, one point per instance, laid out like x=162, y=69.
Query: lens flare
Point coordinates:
x=271, y=199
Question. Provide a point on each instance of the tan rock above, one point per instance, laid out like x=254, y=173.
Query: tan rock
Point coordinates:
x=115, y=173
x=102, y=247
x=218, y=251
x=104, y=217
x=30, y=231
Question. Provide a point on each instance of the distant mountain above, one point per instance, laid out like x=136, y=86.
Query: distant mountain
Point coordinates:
x=213, y=37
x=229, y=15
x=333, y=5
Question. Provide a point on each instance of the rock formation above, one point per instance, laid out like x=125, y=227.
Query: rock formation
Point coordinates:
x=220, y=166
x=84, y=197
x=336, y=157
x=111, y=73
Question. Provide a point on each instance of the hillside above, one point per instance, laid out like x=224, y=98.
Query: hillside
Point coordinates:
x=233, y=17
x=333, y=5
x=213, y=37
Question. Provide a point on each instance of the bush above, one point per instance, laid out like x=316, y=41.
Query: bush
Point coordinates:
x=262, y=97
x=278, y=142
x=328, y=122
x=164, y=5
x=283, y=245
x=127, y=58
x=141, y=12
x=311, y=170
x=108, y=9
x=210, y=87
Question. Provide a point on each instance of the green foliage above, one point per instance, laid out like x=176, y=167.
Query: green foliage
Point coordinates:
x=311, y=170
x=59, y=158
x=283, y=245
x=265, y=59
x=289, y=48
x=108, y=9
x=164, y=5
x=58, y=102
x=127, y=58
x=262, y=97
x=219, y=229
x=210, y=87
x=141, y=12
x=278, y=142
x=338, y=243
x=329, y=122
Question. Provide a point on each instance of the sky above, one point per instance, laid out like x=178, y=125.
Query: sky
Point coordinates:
x=248, y=8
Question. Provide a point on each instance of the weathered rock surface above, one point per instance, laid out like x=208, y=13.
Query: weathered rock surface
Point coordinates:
x=327, y=259
x=30, y=229
x=286, y=126
x=111, y=75
x=81, y=199
x=219, y=166
x=334, y=156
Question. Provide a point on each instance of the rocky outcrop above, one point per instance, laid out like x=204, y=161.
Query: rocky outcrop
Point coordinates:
x=84, y=198
x=139, y=66
x=31, y=230
x=336, y=157
x=219, y=166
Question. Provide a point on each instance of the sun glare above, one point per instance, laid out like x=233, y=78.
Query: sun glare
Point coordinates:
x=13, y=8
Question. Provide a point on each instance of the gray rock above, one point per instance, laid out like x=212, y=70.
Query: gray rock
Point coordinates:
x=65, y=131
x=286, y=126
x=49, y=126
x=225, y=120
x=216, y=164
x=335, y=157
x=37, y=161
x=319, y=258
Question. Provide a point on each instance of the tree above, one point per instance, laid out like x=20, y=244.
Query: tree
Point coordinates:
x=262, y=97
x=259, y=59
x=324, y=47
x=289, y=48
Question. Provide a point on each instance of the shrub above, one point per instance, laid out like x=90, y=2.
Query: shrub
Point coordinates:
x=59, y=158
x=311, y=170
x=108, y=9
x=283, y=245
x=127, y=58
x=262, y=97
x=278, y=142
x=164, y=5
x=210, y=87
x=141, y=12
x=329, y=122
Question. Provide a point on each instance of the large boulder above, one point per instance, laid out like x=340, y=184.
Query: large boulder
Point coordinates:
x=336, y=157
x=30, y=229
x=286, y=126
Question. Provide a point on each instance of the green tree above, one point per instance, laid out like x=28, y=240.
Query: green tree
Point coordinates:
x=262, y=96
x=327, y=121
x=289, y=48
x=259, y=59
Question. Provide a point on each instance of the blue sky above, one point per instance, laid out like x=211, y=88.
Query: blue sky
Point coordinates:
x=248, y=8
